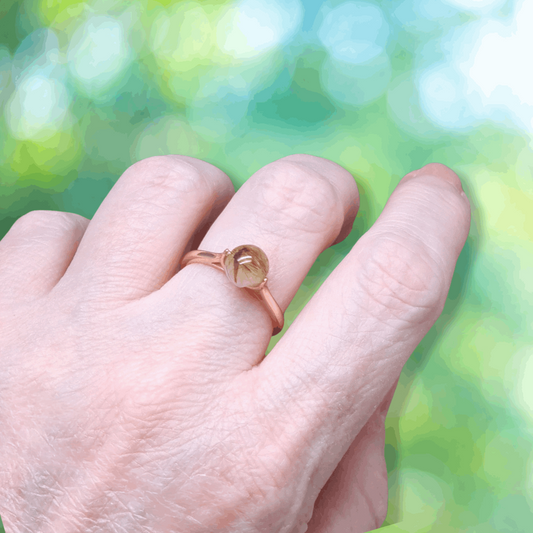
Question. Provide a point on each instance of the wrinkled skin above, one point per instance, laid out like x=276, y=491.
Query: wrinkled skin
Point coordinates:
x=135, y=395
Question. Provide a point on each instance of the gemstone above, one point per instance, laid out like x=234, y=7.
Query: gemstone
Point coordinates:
x=246, y=265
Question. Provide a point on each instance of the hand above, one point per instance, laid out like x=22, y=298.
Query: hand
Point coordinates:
x=137, y=398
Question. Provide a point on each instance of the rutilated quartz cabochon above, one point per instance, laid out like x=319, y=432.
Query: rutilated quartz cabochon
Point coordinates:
x=246, y=266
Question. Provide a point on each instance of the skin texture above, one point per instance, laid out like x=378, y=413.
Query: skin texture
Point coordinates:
x=135, y=396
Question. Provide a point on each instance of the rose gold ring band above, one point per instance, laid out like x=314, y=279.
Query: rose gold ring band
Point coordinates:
x=218, y=260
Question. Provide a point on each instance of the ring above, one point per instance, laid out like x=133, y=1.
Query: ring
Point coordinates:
x=246, y=266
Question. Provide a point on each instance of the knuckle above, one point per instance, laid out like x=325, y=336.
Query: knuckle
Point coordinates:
x=169, y=175
x=291, y=190
x=56, y=221
x=402, y=281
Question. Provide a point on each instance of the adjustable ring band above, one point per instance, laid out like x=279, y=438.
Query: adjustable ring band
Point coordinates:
x=246, y=266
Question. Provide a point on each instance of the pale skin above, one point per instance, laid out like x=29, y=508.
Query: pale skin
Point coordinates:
x=135, y=396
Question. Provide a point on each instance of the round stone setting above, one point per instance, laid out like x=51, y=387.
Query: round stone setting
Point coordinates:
x=246, y=266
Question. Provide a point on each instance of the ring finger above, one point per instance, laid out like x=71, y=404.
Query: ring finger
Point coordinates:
x=292, y=209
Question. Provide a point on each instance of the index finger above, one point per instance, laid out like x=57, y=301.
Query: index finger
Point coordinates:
x=348, y=345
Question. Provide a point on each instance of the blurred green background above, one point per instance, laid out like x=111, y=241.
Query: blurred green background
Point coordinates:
x=381, y=87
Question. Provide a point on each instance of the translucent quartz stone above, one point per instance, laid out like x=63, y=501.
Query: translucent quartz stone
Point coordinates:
x=246, y=266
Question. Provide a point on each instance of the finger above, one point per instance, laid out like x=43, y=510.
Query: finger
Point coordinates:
x=355, y=497
x=36, y=251
x=140, y=231
x=292, y=209
x=347, y=346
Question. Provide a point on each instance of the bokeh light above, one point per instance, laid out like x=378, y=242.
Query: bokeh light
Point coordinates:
x=250, y=27
x=354, y=32
x=358, y=68
x=499, y=68
x=37, y=108
x=98, y=55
